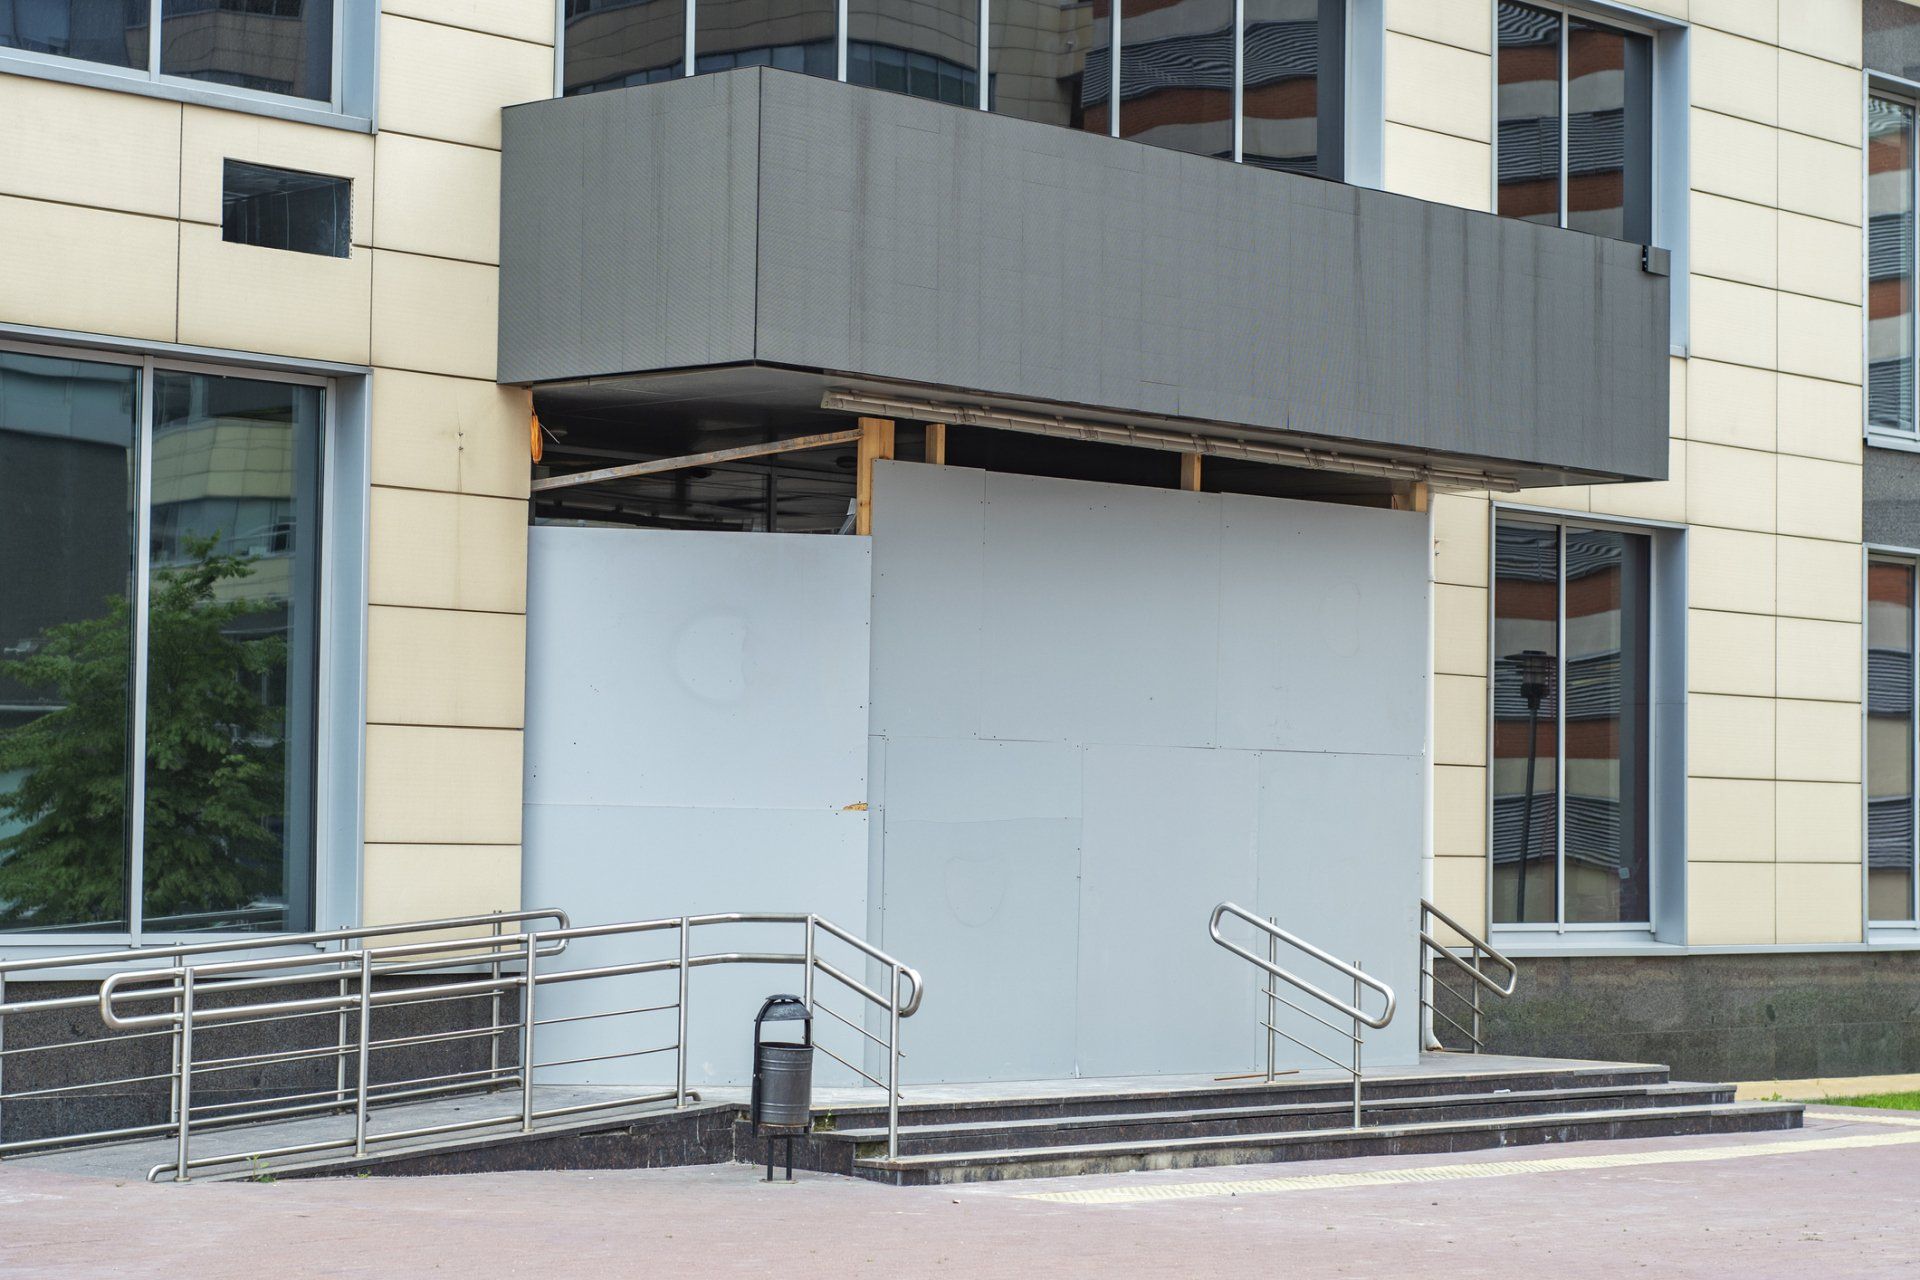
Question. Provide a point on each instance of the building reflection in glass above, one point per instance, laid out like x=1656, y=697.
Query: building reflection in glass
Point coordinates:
x=1890, y=741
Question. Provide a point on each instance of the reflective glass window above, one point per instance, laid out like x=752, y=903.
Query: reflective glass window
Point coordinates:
x=923, y=48
x=1572, y=712
x=109, y=31
x=795, y=35
x=275, y=46
x=1890, y=265
x=1574, y=107
x=1890, y=741
x=1176, y=75
x=1049, y=61
x=1526, y=723
x=68, y=430
x=1527, y=104
x=609, y=44
x=231, y=663
x=1290, y=121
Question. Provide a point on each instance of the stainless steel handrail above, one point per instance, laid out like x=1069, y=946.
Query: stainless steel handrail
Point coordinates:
x=1432, y=948
x=184, y=992
x=1271, y=967
x=76, y=966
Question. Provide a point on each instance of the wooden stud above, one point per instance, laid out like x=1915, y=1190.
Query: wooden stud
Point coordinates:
x=1411, y=496
x=937, y=443
x=1190, y=472
x=876, y=444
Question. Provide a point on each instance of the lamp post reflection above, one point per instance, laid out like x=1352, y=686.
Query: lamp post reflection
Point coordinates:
x=1536, y=679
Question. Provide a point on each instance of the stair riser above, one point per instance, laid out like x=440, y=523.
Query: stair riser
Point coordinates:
x=1148, y=1131
x=1331, y=1148
x=1250, y=1095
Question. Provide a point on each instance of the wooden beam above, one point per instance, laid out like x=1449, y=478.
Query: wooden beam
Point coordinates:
x=937, y=443
x=1411, y=496
x=792, y=445
x=876, y=443
x=1190, y=472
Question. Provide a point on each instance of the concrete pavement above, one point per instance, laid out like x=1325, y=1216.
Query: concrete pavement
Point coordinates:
x=1839, y=1198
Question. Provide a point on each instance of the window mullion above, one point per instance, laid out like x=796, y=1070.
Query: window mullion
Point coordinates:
x=1566, y=107
x=137, y=729
x=154, y=8
x=1560, y=744
x=1913, y=751
x=1239, y=79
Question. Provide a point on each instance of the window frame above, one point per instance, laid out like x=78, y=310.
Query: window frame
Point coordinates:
x=1906, y=931
x=1350, y=16
x=339, y=621
x=1666, y=738
x=1879, y=84
x=349, y=103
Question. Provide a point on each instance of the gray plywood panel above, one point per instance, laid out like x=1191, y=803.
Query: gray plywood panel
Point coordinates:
x=1339, y=864
x=608, y=863
x=929, y=566
x=982, y=877
x=1168, y=833
x=1323, y=627
x=1099, y=612
x=689, y=669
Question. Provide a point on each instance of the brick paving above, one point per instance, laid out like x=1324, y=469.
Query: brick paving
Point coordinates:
x=1830, y=1210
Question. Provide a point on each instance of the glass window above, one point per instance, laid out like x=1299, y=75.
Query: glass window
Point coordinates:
x=275, y=46
x=1287, y=122
x=1890, y=741
x=923, y=48
x=1572, y=653
x=1049, y=62
x=109, y=31
x=67, y=437
x=285, y=209
x=609, y=44
x=1575, y=112
x=228, y=662
x=1890, y=265
x=1176, y=75
x=798, y=35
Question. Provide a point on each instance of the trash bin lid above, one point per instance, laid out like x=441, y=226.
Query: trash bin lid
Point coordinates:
x=784, y=1009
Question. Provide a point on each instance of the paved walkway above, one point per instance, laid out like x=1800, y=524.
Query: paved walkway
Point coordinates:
x=1839, y=1198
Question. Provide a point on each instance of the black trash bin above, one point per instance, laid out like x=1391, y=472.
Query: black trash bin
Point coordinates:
x=782, y=1101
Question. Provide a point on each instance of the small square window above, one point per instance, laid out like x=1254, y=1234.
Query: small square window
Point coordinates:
x=285, y=209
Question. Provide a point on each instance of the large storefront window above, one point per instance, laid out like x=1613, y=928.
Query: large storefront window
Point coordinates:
x=200, y=792
x=1572, y=664
x=1051, y=61
x=1890, y=742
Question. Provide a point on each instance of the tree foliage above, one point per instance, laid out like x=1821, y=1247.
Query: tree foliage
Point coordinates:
x=215, y=757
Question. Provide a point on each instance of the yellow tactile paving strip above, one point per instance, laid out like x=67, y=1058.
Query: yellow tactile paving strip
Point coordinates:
x=1497, y=1168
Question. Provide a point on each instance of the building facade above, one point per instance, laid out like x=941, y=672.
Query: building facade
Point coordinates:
x=1321, y=453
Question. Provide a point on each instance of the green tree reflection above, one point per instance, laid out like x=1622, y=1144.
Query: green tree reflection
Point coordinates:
x=215, y=758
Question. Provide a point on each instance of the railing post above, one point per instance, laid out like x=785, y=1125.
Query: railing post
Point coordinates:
x=493, y=1040
x=1273, y=1012
x=365, y=1053
x=1476, y=1001
x=3, y=1061
x=680, y=1014
x=184, y=1078
x=340, y=1034
x=1358, y=1035
x=893, y=1064
x=173, y=1067
x=528, y=984
x=806, y=981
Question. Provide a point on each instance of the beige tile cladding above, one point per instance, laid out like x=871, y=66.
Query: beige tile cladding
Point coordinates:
x=1764, y=478
x=110, y=211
